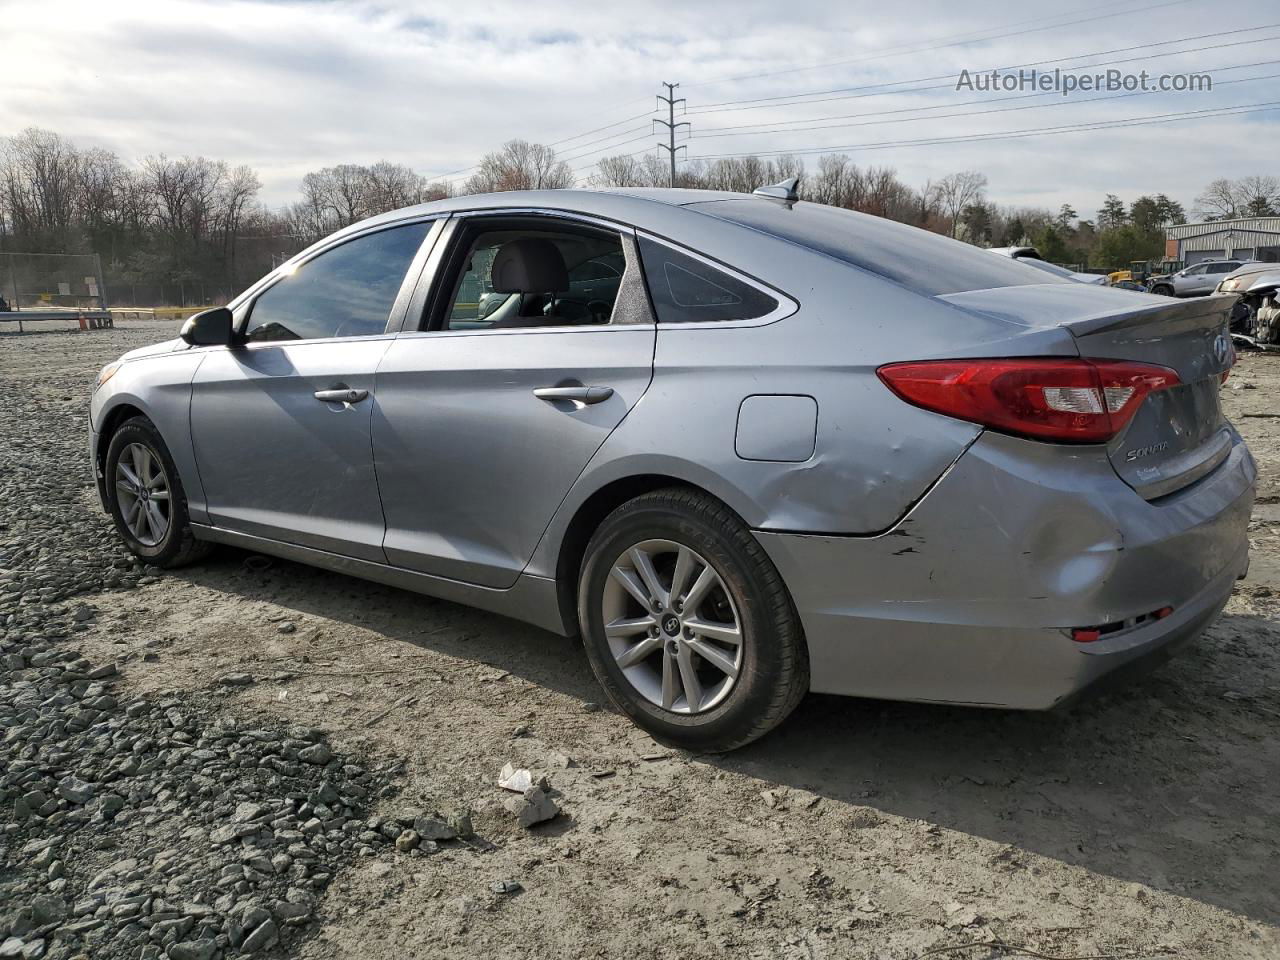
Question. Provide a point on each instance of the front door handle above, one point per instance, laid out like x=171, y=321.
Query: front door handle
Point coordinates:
x=341, y=395
x=578, y=394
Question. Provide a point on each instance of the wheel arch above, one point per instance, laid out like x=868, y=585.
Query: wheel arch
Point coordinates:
x=586, y=519
x=111, y=420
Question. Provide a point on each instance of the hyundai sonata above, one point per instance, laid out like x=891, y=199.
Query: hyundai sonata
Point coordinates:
x=746, y=446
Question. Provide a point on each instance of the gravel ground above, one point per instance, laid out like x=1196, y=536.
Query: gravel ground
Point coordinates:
x=253, y=757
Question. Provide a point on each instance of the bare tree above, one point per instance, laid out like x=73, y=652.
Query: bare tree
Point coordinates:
x=520, y=165
x=237, y=192
x=1218, y=201
x=831, y=184
x=390, y=186
x=39, y=175
x=1258, y=196
x=619, y=171
x=956, y=191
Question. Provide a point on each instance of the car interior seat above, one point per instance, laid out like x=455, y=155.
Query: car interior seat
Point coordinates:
x=534, y=268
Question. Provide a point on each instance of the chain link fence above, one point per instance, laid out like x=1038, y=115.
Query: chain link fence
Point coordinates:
x=52, y=281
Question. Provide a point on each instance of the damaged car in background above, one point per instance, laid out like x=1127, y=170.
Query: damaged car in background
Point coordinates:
x=1255, y=319
x=742, y=444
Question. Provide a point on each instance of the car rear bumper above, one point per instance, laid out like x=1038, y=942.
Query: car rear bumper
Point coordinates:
x=972, y=597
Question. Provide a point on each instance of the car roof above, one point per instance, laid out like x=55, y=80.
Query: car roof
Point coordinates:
x=1253, y=266
x=641, y=206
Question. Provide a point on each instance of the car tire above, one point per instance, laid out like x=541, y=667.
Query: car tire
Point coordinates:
x=684, y=533
x=170, y=543
x=1163, y=289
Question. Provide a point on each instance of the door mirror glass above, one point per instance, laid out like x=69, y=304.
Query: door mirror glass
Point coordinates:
x=209, y=328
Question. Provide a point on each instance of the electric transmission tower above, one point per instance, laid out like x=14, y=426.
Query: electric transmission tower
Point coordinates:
x=671, y=125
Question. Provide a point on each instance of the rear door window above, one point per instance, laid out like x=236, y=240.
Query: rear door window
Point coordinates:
x=552, y=275
x=686, y=289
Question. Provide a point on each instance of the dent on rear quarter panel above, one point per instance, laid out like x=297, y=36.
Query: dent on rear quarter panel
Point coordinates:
x=871, y=454
x=874, y=455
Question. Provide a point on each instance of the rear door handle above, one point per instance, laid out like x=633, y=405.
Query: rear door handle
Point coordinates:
x=580, y=394
x=341, y=395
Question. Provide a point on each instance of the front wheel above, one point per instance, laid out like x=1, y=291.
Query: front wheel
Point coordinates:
x=146, y=499
x=687, y=623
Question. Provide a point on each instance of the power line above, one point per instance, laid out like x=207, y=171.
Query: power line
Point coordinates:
x=474, y=166
x=622, y=143
x=762, y=103
x=954, y=40
x=974, y=113
x=753, y=127
x=902, y=51
x=731, y=105
x=1237, y=110
x=638, y=116
x=612, y=136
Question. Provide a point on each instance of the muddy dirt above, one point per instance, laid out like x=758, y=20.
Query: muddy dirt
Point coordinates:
x=1145, y=823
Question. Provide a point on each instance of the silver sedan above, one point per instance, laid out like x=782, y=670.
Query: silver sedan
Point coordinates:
x=747, y=447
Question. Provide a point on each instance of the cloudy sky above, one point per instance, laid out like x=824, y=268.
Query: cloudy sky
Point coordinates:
x=291, y=86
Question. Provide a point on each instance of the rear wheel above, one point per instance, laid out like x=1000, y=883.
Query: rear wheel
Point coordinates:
x=146, y=499
x=687, y=623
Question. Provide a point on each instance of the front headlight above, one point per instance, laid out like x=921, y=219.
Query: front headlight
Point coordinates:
x=105, y=374
x=1228, y=285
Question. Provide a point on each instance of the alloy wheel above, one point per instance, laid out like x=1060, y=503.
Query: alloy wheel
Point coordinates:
x=672, y=626
x=142, y=489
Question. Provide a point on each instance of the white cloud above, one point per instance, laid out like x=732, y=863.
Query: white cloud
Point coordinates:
x=289, y=87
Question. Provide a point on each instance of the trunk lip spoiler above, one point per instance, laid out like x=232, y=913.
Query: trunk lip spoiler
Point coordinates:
x=1211, y=305
x=1090, y=309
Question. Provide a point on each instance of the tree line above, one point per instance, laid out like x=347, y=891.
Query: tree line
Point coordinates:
x=194, y=229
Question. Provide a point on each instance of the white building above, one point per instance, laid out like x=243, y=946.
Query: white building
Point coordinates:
x=1252, y=238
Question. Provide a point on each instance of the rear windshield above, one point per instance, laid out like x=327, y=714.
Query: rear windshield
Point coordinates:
x=919, y=260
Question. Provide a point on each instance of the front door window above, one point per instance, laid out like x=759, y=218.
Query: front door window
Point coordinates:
x=347, y=291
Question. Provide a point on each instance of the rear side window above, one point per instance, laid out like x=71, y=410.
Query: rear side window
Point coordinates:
x=1222, y=267
x=921, y=261
x=687, y=290
x=346, y=291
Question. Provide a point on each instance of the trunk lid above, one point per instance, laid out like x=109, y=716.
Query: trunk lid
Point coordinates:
x=1179, y=434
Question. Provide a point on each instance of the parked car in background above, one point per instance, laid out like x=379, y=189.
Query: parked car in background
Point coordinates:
x=1237, y=281
x=1194, y=281
x=1031, y=257
x=778, y=454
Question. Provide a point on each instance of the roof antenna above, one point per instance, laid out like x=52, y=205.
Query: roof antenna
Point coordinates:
x=784, y=190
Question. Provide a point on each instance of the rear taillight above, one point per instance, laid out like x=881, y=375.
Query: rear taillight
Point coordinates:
x=1050, y=398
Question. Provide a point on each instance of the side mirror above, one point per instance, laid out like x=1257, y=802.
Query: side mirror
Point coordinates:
x=209, y=328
